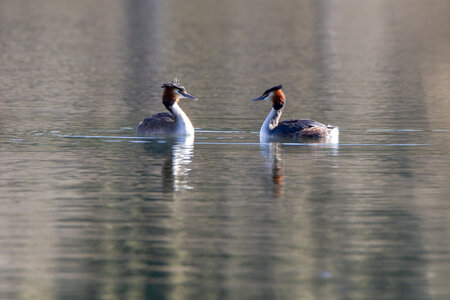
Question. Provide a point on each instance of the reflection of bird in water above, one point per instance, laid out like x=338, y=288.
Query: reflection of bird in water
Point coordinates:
x=272, y=153
x=303, y=129
x=174, y=123
x=175, y=169
x=175, y=154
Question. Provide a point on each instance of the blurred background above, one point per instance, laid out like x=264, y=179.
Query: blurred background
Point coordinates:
x=88, y=211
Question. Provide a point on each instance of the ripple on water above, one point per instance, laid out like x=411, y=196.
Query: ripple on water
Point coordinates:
x=203, y=140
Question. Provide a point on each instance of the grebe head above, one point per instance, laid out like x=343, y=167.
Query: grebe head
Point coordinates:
x=172, y=93
x=276, y=95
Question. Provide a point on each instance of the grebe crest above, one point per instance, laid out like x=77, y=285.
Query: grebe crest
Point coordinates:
x=174, y=123
x=172, y=93
x=276, y=95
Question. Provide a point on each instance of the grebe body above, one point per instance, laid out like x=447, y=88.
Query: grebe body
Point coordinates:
x=175, y=122
x=297, y=129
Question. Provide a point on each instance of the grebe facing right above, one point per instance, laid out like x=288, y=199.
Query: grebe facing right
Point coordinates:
x=303, y=129
x=174, y=123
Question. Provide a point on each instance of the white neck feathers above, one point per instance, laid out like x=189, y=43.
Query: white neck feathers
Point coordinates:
x=183, y=124
x=271, y=122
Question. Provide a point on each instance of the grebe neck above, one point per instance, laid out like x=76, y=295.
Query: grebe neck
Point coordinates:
x=183, y=124
x=271, y=122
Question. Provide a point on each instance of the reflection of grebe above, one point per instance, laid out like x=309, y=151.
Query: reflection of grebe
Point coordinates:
x=272, y=153
x=174, y=123
x=175, y=170
x=306, y=129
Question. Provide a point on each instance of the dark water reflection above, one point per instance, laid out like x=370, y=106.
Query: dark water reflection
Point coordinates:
x=88, y=211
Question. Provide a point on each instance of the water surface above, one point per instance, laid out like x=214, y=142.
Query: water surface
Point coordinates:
x=89, y=211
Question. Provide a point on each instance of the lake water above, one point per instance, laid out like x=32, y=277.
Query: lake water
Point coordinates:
x=89, y=211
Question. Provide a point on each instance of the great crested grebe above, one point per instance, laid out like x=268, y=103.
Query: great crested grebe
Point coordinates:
x=303, y=129
x=174, y=123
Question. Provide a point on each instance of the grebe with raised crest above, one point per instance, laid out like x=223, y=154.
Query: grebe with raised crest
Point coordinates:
x=302, y=129
x=174, y=122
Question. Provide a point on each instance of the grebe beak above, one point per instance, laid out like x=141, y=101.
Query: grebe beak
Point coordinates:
x=186, y=95
x=263, y=97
